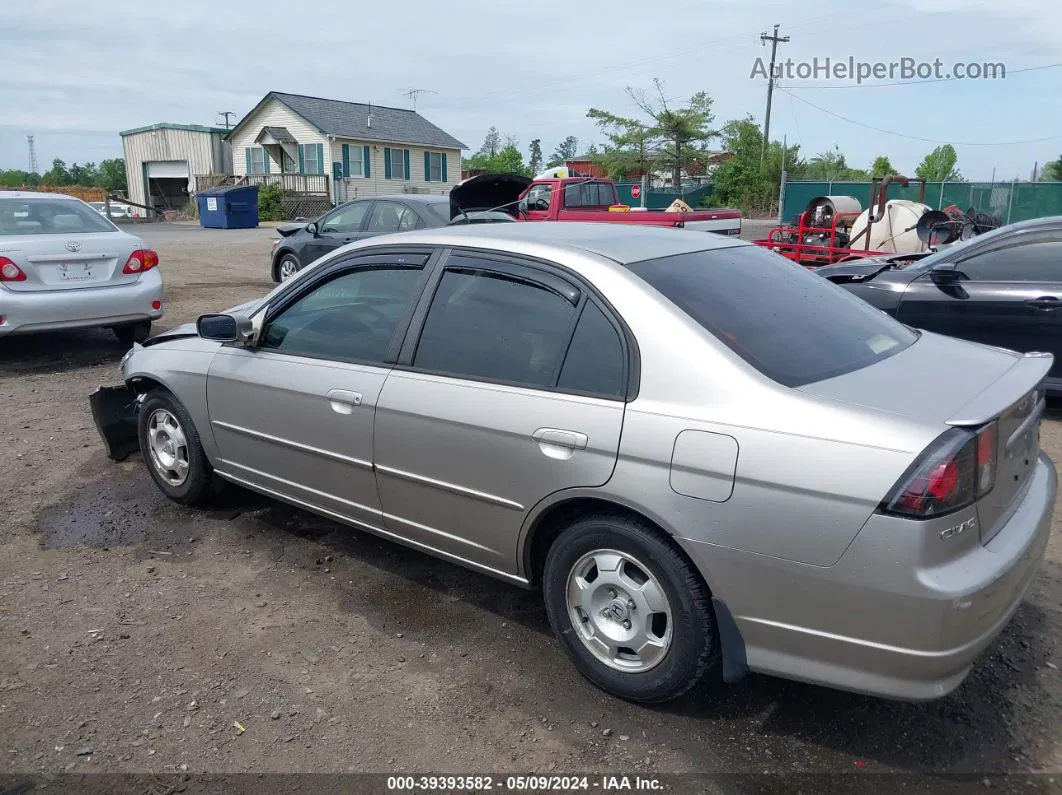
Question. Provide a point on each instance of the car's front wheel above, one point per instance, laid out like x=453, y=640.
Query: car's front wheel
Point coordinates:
x=172, y=450
x=286, y=267
x=631, y=612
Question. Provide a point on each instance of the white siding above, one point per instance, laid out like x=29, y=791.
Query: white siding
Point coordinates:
x=377, y=185
x=274, y=114
x=203, y=151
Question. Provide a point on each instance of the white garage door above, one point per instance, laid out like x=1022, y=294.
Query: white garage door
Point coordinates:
x=163, y=169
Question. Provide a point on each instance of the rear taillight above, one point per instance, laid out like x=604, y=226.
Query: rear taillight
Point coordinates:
x=141, y=260
x=10, y=272
x=954, y=472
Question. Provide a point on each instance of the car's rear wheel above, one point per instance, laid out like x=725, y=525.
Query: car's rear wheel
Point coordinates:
x=172, y=450
x=287, y=267
x=136, y=332
x=634, y=616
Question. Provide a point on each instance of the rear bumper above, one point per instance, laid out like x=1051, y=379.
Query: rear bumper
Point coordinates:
x=53, y=310
x=722, y=226
x=878, y=624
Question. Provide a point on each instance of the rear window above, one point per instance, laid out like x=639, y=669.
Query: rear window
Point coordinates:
x=589, y=194
x=49, y=217
x=791, y=325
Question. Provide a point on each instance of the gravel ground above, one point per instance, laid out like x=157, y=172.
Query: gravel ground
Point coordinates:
x=136, y=633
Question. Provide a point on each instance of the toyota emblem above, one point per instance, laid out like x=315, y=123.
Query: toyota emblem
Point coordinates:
x=73, y=245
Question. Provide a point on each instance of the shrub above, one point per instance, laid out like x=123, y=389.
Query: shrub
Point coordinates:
x=271, y=203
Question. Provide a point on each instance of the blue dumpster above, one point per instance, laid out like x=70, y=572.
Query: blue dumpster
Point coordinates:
x=229, y=207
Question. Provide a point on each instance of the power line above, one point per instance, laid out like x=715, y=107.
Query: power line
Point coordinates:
x=921, y=82
x=915, y=137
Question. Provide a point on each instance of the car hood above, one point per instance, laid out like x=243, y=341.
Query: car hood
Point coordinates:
x=858, y=269
x=488, y=192
x=189, y=329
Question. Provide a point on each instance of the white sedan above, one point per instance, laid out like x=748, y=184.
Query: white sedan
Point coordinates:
x=64, y=266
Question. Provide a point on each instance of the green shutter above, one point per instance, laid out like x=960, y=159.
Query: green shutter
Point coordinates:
x=247, y=152
x=302, y=164
x=367, y=161
x=346, y=160
x=427, y=166
x=444, y=166
x=320, y=159
x=405, y=161
x=265, y=159
x=387, y=162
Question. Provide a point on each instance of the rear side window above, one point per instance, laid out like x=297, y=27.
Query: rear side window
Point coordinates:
x=596, y=362
x=49, y=217
x=791, y=325
x=589, y=194
x=486, y=325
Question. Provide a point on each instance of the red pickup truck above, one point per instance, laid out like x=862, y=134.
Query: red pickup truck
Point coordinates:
x=574, y=199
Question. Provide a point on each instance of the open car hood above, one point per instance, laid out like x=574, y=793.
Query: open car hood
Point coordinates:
x=488, y=192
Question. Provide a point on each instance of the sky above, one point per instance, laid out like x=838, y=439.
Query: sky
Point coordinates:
x=73, y=73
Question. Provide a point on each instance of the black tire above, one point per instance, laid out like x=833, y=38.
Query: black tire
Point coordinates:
x=200, y=485
x=138, y=332
x=694, y=646
x=288, y=258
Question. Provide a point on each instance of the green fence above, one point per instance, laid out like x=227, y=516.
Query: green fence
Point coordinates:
x=660, y=198
x=1011, y=201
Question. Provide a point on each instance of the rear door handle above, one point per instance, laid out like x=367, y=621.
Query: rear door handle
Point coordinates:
x=343, y=401
x=1044, y=302
x=561, y=438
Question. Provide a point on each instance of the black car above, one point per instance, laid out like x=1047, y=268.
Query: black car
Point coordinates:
x=474, y=201
x=1002, y=288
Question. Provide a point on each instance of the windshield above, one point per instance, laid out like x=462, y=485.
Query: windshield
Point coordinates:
x=791, y=325
x=49, y=217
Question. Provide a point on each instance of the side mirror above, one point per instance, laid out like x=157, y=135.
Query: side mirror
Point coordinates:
x=312, y=228
x=232, y=329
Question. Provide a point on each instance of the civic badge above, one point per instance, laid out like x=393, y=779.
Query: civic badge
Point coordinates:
x=73, y=245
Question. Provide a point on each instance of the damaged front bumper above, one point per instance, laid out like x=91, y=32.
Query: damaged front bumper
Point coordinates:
x=114, y=410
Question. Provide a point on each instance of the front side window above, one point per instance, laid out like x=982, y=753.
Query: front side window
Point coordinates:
x=791, y=325
x=50, y=217
x=353, y=317
x=538, y=197
x=488, y=325
x=1032, y=262
x=346, y=219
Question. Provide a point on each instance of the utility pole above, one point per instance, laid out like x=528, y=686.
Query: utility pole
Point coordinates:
x=774, y=39
x=226, y=114
x=32, y=154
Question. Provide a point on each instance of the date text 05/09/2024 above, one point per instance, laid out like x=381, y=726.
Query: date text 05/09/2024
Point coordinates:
x=604, y=784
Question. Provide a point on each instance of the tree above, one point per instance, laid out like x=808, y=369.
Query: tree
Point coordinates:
x=939, y=165
x=535, y=161
x=881, y=167
x=566, y=150
x=112, y=174
x=492, y=144
x=16, y=179
x=506, y=161
x=57, y=174
x=750, y=178
x=1052, y=171
x=677, y=134
x=86, y=175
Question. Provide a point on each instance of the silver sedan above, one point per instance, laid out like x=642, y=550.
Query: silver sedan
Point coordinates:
x=63, y=266
x=709, y=460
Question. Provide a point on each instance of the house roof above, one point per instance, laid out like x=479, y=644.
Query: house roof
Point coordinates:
x=278, y=133
x=167, y=126
x=350, y=120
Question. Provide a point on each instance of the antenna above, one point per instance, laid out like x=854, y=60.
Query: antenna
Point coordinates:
x=32, y=154
x=413, y=93
x=226, y=114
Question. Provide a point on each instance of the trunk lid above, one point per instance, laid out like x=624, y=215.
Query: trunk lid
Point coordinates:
x=70, y=262
x=488, y=192
x=949, y=382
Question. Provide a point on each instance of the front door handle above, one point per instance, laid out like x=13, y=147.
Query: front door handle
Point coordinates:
x=1047, y=302
x=561, y=438
x=343, y=401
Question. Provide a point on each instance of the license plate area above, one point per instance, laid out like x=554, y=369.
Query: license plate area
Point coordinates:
x=77, y=271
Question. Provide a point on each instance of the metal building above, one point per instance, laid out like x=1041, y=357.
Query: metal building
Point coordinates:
x=162, y=161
